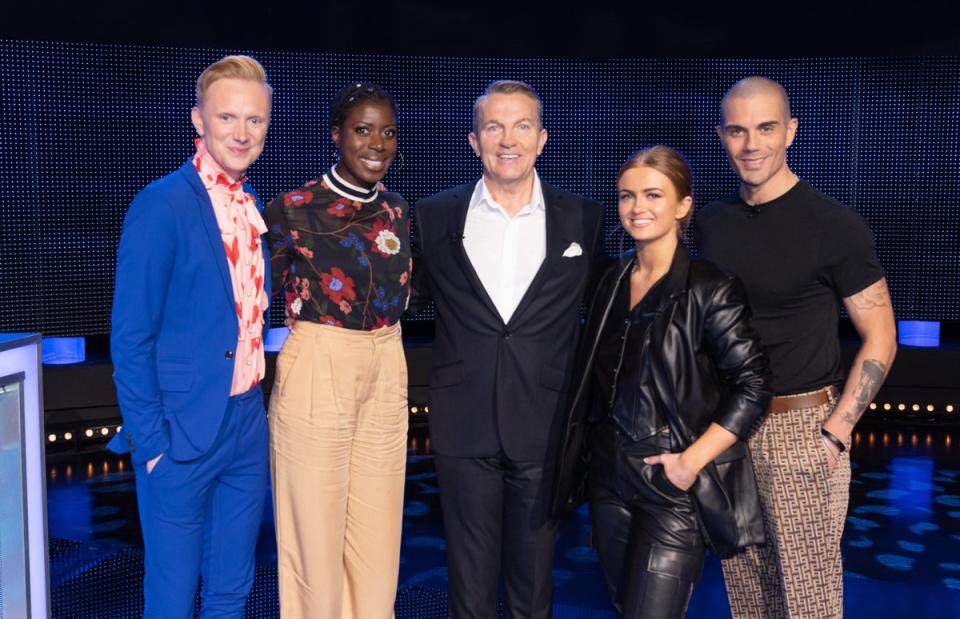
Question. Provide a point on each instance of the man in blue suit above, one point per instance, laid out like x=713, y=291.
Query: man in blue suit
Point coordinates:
x=187, y=349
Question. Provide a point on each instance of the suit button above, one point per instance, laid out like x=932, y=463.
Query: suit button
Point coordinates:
x=506, y=335
x=228, y=354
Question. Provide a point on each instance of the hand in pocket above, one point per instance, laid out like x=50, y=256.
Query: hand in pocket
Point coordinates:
x=830, y=453
x=674, y=469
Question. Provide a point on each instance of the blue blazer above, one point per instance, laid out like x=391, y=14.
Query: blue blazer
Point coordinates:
x=174, y=333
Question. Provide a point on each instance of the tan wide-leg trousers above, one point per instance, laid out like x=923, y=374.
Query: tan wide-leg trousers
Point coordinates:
x=798, y=573
x=338, y=434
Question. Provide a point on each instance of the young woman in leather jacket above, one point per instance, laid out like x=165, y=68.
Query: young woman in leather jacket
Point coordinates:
x=665, y=332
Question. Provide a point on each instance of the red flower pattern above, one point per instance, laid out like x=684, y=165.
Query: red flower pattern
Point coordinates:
x=330, y=321
x=337, y=286
x=386, y=207
x=381, y=226
x=341, y=207
x=297, y=198
x=335, y=229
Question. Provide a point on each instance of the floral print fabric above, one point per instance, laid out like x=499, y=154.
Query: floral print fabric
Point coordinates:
x=340, y=257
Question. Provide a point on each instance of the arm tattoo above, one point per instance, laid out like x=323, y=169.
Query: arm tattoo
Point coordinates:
x=871, y=376
x=871, y=297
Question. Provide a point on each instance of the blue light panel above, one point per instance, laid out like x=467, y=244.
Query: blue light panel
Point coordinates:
x=64, y=350
x=920, y=333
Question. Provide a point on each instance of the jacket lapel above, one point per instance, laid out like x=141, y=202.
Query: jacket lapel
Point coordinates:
x=212, y=229
x=457, y=224
x=675, y=286
x=599, y=312
x=675, y=283
x=556, y=241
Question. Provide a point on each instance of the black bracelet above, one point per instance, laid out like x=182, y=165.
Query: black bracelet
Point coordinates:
x=827, y=434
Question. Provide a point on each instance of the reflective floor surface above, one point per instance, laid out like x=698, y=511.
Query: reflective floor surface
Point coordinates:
x=901, y=546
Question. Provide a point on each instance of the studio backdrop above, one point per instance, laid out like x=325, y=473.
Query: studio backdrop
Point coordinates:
x=85, y=126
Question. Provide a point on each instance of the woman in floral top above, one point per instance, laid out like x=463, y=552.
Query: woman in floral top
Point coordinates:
x=340, y=254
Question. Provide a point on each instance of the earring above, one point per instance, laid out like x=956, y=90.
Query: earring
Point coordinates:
x=400, y=157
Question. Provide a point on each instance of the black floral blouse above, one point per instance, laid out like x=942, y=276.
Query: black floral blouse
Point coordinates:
x=340, y=254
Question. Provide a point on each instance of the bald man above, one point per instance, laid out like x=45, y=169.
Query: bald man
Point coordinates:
x=799, y=253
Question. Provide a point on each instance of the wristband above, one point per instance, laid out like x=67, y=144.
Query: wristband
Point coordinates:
x=827, y=434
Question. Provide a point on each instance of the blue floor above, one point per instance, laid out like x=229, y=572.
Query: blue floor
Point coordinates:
x=901, y=546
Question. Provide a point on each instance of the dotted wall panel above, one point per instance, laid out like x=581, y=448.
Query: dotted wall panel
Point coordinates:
x=87, y=125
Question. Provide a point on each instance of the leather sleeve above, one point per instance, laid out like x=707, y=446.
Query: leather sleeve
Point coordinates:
x=736, y=350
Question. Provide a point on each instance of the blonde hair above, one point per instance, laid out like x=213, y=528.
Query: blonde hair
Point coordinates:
x=232, y=67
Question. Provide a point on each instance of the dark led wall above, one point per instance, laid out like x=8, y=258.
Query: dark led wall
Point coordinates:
x=87, y=125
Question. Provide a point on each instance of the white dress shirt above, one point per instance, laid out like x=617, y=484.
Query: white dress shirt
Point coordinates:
x=506, y=252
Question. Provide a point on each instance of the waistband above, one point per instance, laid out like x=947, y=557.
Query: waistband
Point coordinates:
x=309, y=329
x=249, y=394
x=810, y=399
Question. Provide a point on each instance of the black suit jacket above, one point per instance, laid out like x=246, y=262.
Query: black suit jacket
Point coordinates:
x=502, y=386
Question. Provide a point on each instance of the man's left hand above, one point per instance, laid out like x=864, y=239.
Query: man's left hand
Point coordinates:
x=833, y=454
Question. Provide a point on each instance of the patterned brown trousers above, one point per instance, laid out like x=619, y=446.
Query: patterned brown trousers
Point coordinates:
x=798, y=573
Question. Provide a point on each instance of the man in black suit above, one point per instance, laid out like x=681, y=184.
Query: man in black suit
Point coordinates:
x=506, y=260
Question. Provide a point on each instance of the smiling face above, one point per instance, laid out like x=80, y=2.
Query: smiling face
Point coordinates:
x=756, y=131
x=367, y=139
x=508, y=138
x=232, y=121
x=649, y=206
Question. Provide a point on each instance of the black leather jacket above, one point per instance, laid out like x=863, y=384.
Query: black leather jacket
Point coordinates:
x=708, y=362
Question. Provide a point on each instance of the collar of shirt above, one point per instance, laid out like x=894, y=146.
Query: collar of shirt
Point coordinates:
x=210, y=171
x=349, y=190
x=226, y=195
x=481, y=197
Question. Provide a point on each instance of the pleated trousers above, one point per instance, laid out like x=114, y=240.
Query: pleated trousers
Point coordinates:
x=338, y=436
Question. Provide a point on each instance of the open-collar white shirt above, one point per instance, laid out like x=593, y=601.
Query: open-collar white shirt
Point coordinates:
x=506, y=252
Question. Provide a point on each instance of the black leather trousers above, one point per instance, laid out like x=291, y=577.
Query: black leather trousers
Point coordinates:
x=644, y=528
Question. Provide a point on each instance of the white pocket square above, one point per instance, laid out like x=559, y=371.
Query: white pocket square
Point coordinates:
x=573, y=251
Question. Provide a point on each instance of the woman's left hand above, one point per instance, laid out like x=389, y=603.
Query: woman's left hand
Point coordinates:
x=676, y=468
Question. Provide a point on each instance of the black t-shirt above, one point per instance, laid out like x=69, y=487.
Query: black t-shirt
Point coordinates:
x=798, y=256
